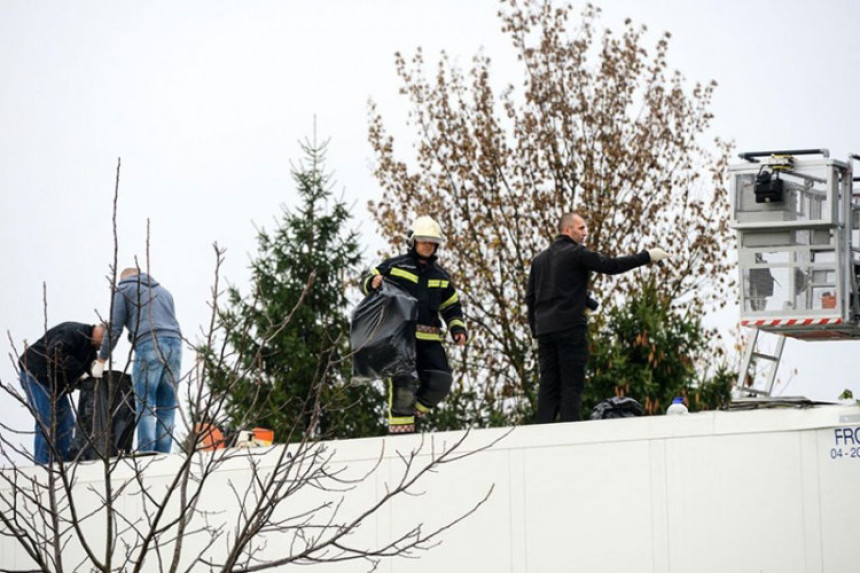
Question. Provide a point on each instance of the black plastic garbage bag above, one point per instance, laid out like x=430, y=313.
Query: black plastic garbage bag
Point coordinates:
x=104, y=427
x=617, y=407
x=382, y=333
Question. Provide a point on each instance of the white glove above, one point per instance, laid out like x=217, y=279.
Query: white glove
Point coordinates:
x=97, y=369
x=657, y=254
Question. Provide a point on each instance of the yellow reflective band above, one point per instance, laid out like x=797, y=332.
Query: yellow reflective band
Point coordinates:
x=437, y=283
x=421, y=407
x=428, y=336
x=456, y=322
x=365, y=286
x=390, y=382
x=454, y=298
x=395, y=272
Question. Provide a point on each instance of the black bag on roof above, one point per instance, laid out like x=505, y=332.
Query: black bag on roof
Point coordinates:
x=104, y=427
x=382, y=333
x=617, y=407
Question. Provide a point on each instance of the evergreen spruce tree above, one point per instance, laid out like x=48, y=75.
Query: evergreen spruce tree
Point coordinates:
x=647, y=349
x=300, y=370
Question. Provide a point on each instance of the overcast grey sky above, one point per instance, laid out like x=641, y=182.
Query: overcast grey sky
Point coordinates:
x=205, y=102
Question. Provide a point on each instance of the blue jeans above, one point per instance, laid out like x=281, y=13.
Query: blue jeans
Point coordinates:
x=155, y=375
x=54, y=418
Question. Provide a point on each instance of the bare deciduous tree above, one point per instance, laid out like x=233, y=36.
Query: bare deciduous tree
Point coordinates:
x=598, y=125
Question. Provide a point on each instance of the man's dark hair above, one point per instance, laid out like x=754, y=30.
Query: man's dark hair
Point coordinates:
x=567, y=220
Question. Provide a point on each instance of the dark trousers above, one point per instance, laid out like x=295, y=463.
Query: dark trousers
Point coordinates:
x=562, y=356
x=405, y=389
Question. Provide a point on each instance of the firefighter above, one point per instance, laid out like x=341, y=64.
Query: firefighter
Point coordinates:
x=418, y=273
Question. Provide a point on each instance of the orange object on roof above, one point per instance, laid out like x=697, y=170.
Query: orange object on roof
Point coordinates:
x=264, y=436
x=210, y=438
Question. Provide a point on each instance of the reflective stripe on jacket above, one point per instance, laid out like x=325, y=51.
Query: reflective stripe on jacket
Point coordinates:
x=431, y=286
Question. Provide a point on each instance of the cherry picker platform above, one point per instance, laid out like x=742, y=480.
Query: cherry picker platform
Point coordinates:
x=797, y=218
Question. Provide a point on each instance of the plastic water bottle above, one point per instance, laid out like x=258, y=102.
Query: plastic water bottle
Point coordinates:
x=677, y=408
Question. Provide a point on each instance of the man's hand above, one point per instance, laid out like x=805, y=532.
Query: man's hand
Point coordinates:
x=375, y=282
x=460, y=338
x=97, y=369
x=657, y=254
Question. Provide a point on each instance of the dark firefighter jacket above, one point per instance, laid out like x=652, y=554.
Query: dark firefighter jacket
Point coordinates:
x=430, y=285
x=558, y=283
x=61, y=356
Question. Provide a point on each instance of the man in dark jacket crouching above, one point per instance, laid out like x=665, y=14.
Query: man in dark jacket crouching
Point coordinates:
x=49, y=370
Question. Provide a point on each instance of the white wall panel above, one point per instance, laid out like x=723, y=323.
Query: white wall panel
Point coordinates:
x=773, y=491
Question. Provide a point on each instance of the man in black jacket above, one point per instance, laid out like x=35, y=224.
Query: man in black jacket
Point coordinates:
x=556, y=300
x=49, y=369
x=418, y=273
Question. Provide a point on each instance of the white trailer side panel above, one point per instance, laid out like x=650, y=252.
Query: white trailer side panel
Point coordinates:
x=774, y=491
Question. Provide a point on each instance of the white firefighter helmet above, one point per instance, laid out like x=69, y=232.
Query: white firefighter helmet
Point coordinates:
x=426, y=229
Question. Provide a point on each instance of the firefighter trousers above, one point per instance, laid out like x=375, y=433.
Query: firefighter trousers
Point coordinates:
x=423, y=389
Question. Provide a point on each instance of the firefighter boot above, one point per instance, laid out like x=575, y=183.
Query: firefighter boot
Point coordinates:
x=401, y=404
